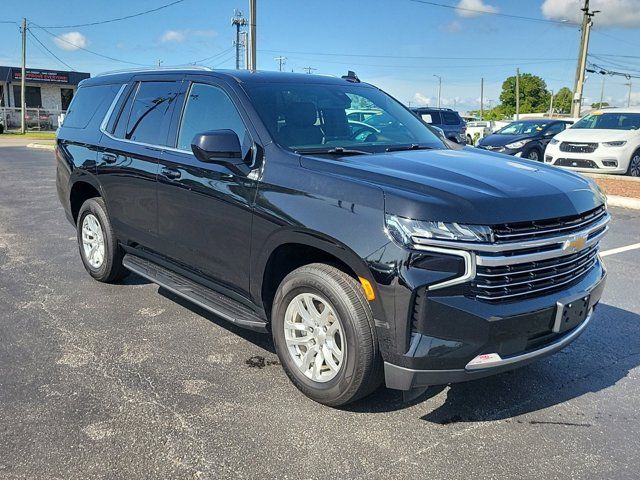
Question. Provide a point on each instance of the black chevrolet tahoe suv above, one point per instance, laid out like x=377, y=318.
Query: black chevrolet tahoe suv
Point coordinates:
x=369, y=254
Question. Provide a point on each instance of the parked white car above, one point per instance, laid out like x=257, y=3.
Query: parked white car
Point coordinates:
x=478, y=129
x=606, y=141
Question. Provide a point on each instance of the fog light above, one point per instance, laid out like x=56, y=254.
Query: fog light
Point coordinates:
x=548, y=158
x=610, y=163
x=484, y=360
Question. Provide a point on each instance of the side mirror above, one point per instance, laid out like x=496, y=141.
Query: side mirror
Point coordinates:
x=217, y=146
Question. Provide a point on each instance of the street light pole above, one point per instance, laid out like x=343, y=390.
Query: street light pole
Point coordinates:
x=23, y=78
x=439, y=88
x=602, y=91
x=482, y=99
x=517, y=94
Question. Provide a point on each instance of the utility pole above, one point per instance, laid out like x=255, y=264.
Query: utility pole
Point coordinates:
x=238, y=21
x=23, y=78
x=439, y=88
x=159, y=62
x=551, y=105
x=309, y=70
x=252, y=35
x=281, y=61
x=587, y=22
x=629, y=95
x=482, y=99
x=517, y=94
x=602, y=91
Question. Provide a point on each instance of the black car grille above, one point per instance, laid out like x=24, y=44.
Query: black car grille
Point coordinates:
x=575, y=162
x=524, y=280
x=578, y=147
x=524, y=231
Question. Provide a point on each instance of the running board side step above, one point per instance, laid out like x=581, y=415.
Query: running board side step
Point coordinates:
x=204, y=297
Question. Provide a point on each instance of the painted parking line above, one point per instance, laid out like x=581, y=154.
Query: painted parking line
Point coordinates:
x=613, y=251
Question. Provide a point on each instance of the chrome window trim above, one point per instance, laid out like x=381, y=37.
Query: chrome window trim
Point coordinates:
x=107, y=116
x=509, y=246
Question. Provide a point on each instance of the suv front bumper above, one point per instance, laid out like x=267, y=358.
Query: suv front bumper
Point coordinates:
x=406, y=377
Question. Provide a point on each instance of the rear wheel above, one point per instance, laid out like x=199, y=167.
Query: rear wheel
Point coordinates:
x=323, y=332
x=634, y=165
x=99, y=250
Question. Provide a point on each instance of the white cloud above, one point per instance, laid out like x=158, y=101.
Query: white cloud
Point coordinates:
x=180, y=36
x=613, y=13
x=453, y=27
x=421, y=99
x=71, y=41
x=474, y=8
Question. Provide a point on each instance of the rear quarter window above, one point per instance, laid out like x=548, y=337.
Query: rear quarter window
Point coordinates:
x=450, y=118
x=88, y=102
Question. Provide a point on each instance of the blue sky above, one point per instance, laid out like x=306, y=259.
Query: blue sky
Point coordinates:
x=391, y=43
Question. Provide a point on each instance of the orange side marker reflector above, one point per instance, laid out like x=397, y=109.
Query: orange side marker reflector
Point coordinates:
x=368, y=289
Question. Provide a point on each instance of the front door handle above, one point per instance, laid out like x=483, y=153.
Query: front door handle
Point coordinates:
x=171, y=173
x=109, y=158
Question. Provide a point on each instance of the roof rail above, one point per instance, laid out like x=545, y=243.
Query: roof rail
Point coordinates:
x=156, y=69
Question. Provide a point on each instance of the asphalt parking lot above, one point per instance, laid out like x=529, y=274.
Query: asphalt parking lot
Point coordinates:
x=126, y=381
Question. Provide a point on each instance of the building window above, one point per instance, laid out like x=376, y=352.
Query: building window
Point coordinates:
x=32, y=96
x=66, y=94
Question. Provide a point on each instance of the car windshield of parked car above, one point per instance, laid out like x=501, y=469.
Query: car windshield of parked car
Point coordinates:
x=610, y=121
x=522, y=128
x=315, y=117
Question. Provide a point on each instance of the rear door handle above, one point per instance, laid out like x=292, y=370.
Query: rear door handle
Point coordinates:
x=109, y=158
x=171, y=173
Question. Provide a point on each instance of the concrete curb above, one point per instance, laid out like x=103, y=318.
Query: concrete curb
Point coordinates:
x=42, y=146
x=624, y=202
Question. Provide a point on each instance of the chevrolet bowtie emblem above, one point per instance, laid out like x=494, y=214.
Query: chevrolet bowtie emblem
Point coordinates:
x=574, y=244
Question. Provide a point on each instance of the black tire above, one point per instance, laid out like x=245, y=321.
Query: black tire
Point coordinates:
x=534, y=154
x=361, y=371
x=110, y=270
x=634, y=164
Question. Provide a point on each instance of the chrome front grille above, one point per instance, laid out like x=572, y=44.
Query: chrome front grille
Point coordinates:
x=512, y=282
x=578, y=147
x=542, y=228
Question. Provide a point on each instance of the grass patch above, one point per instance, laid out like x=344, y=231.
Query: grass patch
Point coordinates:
x=35, y=135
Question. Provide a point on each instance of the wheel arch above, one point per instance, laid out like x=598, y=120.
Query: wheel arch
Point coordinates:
x=81, y=191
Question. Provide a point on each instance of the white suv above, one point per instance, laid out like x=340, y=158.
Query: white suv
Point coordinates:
x=606, y=141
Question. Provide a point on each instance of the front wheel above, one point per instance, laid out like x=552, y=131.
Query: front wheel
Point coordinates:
x=533, y=154
x=634, y=165
x=324, y=335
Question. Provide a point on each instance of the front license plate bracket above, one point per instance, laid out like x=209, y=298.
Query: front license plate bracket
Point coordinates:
x=571, y=313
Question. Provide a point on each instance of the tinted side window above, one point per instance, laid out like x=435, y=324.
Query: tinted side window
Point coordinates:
x=87, y=102
x=150, y=112
x=450, y=118
x=208, y=108
x=555, y=129
x=430, y=116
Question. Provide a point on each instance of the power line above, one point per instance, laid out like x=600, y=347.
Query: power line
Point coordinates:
x=219, y=54
x=409, y=57
x=49, y=51
x=113, y=59
x=101, y=22
x=497, y=14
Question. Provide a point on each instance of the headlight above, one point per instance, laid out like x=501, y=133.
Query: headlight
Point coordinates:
x=553, y=141
x=519, y=144
x=407, y=231
x=617, y=143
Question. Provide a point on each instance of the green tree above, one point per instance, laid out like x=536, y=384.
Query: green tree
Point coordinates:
x=599, y=105
x=534, y=96
x=562, y=100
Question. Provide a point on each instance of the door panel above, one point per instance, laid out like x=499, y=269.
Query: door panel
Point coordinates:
x=205, y=209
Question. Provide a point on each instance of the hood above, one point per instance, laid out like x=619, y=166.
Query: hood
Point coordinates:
x=468, y=185
x=501, y=140
x=595, y=135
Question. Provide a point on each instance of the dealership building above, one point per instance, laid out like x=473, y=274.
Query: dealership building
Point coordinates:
x=47, y=89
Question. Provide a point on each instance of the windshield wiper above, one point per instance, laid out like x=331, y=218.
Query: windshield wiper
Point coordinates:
x=332, y=151
x=413, y=146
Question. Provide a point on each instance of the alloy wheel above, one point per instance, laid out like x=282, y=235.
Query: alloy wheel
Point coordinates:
x=92, y=241
x=634, y=165
x=314, y=337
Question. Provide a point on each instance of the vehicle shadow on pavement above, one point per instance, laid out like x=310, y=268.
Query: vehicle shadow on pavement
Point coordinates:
x=258, y=339
x=598, y=359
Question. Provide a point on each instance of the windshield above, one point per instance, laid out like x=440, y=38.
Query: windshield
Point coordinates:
x=610, y=121
x=522, y=128
x=320, y=117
